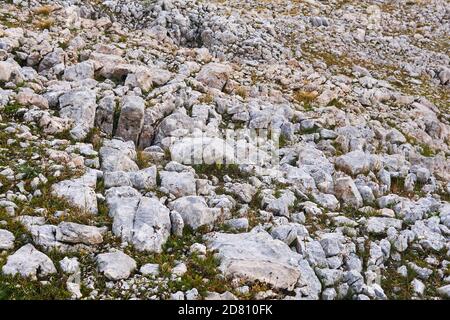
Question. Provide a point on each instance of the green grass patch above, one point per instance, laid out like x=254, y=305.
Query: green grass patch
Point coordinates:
x=220, y=170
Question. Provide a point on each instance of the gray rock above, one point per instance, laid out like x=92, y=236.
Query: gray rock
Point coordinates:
x=412, y=211
x=116, y=179
x=148, y=78
x=27, y=96
x=51, y=60
x=79, y=192
x=355, y=280
x=243, y=191
x=331, y=244
x=144, y=179
x=179, y=295
x=122, y=204
x=79, y=71
x=115, y=265
x=329, y=294
x=444, y=76
x=300, y=178
x=6, y=71
x=179, y=270
x=357, y=162
x=418, y=286
x=280, y=206
x=444, y=291
x=366, y=194
x=319, y=21
x=202, y=150
x=346, y=190
x=410, y=182
x=197, y=248
x=329, y=277
x=221, y=296
x=150, y=269
x=288, y=233
x=117, y=155
x=45, y=236
x=177, y=223
x=308, y=281
x=255, y=256
x=328, y=201
x=152, y=225
x=353, y=262
x=421, y=272
x=80, y=107
x=29, y=262
x=379, y=225
x=70, y=265
x=73, y=233
x=141, y=221
x=179, y=184
x=238, y=224
x=104, y=118
x=195, y=212
x=74, y=289
x=423, y=175
x=395, y=136
x=403, y=271
x=192, y=294
x=6, y=240
x=214, y=75
x=131, y=118
x=428, y=235
x=110, y=65
x=314, y=253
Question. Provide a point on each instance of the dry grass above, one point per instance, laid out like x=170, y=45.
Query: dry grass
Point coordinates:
x=305, y=96
x=44, y=10
x=242, y=91
x=44, y=24
x=206, y=98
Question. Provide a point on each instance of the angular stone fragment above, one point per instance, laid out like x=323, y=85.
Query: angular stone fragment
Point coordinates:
x=6, y=240
x=79, y=71
x=379, y=225
x=29, y=262
x=123, y=203
x=178, y=183
x=70, y=232
x=357, y=162
x=195, y=212
x=117, y=155
x=115, y=265
x=346, y=190
x=152, y=225
x=79, y=106
x=214, y=75
x=131, y=118
x=79, y=192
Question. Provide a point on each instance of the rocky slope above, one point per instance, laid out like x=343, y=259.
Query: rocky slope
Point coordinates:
x=106, y=106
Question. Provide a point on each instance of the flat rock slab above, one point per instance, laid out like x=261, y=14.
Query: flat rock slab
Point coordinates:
x=379, y=225
x=73, y=233
x=79, y=192
x=117, y=155
x=256, y=256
